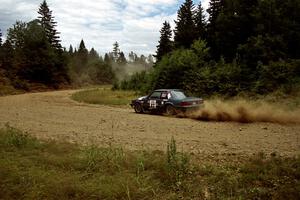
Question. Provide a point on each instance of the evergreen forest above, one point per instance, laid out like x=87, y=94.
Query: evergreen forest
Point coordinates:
x=233, y=47
x=32, y=58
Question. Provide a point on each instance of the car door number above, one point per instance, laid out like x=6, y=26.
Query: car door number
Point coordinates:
x=153, y=104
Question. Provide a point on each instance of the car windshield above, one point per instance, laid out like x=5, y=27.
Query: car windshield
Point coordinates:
x=178, y=95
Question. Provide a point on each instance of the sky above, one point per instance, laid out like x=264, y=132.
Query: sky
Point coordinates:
x=134, y=24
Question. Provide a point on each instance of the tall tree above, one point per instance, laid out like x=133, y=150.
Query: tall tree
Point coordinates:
x=107, y=59
x=214, y=10
x=200, y=22
x=34, y=59
x=16, y=34
x=39, y=61
x=226, y=31
x=150, y=60
x=82, y=47
x=165, y=44
x=116, y=51
x=142, y=59
x=48, y=23
x=93, y=54
x=71, y=51
x=0, y=38
x=292, y=27
x=185, y=31
x=121, y=59
x=6, y=59
x=131, y=56
x=82, y=54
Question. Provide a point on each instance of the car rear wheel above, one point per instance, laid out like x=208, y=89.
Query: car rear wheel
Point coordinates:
x=138, y=108
x=170, y=110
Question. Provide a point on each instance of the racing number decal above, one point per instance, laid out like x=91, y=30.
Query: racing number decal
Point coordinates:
x=153, y=104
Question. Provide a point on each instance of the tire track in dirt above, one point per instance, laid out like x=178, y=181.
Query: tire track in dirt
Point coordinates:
x=53, y=115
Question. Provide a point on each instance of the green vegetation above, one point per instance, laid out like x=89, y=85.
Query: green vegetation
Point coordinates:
x=32, y=53
x=8, y=90
x=137, y=82
x=33, y=169
x=32, y=58
x=105, y=96
x=87, y=67
x=243, y=47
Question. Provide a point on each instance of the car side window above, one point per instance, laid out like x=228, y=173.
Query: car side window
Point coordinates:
x=169, y=95
x=155, y=95
x=164, y=95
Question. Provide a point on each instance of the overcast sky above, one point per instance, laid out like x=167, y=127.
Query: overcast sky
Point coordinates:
x=135, y=24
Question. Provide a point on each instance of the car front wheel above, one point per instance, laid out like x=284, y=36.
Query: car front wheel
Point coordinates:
x=138, y=108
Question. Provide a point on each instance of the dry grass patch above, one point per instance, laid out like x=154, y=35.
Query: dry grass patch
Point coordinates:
x=105, y=96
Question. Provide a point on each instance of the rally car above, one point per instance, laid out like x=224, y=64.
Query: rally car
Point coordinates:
x=168, y=101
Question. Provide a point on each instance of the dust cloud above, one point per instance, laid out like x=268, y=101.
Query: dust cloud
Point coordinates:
x=244, y=112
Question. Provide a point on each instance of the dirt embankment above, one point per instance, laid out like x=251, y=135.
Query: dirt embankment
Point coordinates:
x=53, y=115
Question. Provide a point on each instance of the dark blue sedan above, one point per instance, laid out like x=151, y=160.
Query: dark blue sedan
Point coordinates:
x=168, y=101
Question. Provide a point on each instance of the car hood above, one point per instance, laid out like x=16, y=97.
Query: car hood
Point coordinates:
x=141, y=98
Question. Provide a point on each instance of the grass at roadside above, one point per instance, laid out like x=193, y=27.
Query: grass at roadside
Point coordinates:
x=32, y=169
x=105, y=96
x=8, y=90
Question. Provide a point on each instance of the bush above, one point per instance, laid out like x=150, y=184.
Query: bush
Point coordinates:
x=20, y=84
x=136, y=82
x=15, y=138
x=215, y=78
x=284, y=75
x=191, y=70
x=177, y=164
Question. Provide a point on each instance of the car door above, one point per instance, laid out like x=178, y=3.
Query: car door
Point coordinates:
x=164, y=98
x=154, y=101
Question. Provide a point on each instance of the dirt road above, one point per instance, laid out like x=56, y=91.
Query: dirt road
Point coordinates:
x=53, y=115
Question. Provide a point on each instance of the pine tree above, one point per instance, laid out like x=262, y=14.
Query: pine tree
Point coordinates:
x=7, y=58
x=107, y=59
x=131, y=56
x=200, y=22
x=82, y=46
x=16, y=34
x=121, y=59
x=116, y=51
x=214, y=10
x=143, y=59
x=48, y=23
x=150, y=59
x=82, y=53
x=71, y=50
x=93, y=54
x=185, y=30
x=165, y=44
x=0, y=38
x=234, y=25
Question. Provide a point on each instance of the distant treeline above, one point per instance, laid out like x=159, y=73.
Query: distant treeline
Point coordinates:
x=88, y=67
x=32, y=55
x=250, y=46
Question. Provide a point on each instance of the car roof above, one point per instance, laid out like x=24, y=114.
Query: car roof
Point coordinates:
x=166, y=90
